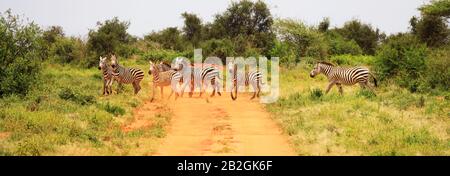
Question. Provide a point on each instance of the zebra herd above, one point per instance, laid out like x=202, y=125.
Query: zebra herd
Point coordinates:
x=209, y=76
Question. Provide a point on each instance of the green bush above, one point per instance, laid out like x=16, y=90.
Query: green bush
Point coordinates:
x=316, y=94
x=338, y=45
x=221, y=48
x=115, y=110
x=164, y=55
x=352, y=60
x=285, y=53
x=69, y=94
x=402, y=58
x=20, y=53
x=437, y=69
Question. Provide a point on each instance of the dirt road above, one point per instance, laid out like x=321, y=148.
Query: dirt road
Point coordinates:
x=220, y=127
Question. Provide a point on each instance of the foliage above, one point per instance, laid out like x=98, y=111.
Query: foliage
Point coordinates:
x=110, y=36
x=324, y=25
x=221, y=48
x=169, y=38
x=306, y=41
x=352, y=60
x=437, y=8
x=339, y=45
x=192, y=29
x=363, y=34
x=437, y=69
x=402, y=57
x=20, y=53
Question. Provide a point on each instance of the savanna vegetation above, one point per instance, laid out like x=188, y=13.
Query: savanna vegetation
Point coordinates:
x=50, y=88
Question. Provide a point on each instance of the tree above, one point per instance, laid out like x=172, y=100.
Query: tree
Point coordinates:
x=251, y=20
x=20, y=54
x=324, y=25
x=363, y=34
x=110, y=37
x=169, y=38
x=52, y=33
x=431, y=27
x=192, y=28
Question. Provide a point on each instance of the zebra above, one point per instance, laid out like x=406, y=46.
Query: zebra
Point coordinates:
x=340, y=75
x=164, y=78
x=253, y=78
x=162, y=66
x=207, y=76
x=127, y=75
x=108, y=78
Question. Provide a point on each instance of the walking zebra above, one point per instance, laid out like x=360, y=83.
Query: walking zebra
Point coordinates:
x=200, y=77
x=347, y=76
x=164, y=78
x=108, y=78
x=252, y=77
x=127, y=75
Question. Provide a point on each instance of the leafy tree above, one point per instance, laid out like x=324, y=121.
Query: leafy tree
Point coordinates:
x=169, y=38
x=338, y=45
x=432, y=26
x=402, y=58
x=306, y=41
x=192, y=28
x=20, y=54
x=53, y=33
x=110, y=37
x=324, y=25
x=363, y=34
x=252, y=20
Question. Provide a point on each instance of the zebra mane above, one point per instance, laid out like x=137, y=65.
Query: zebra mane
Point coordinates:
x=326, y=63
x=166, y=64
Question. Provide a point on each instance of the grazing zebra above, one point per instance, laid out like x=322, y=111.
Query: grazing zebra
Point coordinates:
x=205, y=77
x=108, y=78
x=127, y=75
x=164, y=78
x=253, y=77
x=347, y=76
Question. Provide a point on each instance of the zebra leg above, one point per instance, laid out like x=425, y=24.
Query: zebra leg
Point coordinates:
x=259, y=89
x=341, y=91
x=254, y=90
x=138, y=87
x=162, y=92
x=111, y=81
x=329, y=87
x=104, y=87
x=153, y=95
x=218, y=87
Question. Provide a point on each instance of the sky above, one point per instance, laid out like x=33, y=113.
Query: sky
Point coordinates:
x=78, y=16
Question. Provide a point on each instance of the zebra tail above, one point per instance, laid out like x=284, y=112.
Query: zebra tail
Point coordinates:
x=374, y=79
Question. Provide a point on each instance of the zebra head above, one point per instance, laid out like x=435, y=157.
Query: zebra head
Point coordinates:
x=153, y=68
x=102, y=63
x=178, y=64
x=315, y=71
x=232, y=67
x=321, y=67
x=114, y=61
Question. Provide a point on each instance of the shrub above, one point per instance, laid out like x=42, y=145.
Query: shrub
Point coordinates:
x=164, y=55
x=285, y=53
x=402, y=58
x=437, y=69
x=19, y=61
x=339, y=45
x=218, y=48
x=316, y=94
x=69, y=94
x=352, y=60
x=115, y=110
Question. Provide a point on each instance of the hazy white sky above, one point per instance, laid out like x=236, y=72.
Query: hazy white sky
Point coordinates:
x=78, y=16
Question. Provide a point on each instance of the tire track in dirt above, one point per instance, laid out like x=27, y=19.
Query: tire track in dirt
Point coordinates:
x=221, y=127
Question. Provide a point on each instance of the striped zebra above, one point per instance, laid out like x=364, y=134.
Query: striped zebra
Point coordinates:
x=200, y=77
x=162, y=66
x=127, y=75
x=250, y=78
x=164, y=78
x=108, y=78
x=340, y=75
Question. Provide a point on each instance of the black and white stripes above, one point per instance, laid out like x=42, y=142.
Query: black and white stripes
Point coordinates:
x=253, y=78
x=164, y=78
x=341, y=75
x=107, y=75
x=127, y=75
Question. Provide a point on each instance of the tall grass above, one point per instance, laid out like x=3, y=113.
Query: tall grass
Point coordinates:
x=391, y=122
x=65, y=114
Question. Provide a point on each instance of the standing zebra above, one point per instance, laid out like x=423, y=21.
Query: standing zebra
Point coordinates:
x=200, y=77
x=340, y=75
x=108, y=78
x=127, y=75
x=253, y=77
x=165, y=78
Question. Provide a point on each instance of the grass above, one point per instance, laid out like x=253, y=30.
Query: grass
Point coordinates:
x=65, y=114
x=390, y=122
